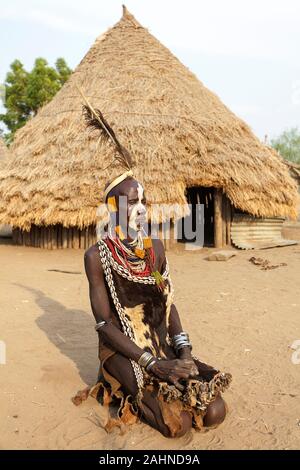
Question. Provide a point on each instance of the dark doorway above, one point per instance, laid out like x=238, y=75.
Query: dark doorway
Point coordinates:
x=199, y=195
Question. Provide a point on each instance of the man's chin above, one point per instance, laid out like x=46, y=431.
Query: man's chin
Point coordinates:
x=136, y=226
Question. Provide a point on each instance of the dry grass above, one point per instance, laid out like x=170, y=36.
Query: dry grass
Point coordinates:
x=3, y=150
x=179, y=132
x=294, y=169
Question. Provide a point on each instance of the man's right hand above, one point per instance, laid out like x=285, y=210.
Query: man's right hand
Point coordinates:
x=174, y=370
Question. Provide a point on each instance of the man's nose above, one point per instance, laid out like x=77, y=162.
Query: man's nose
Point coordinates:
x=141, y=210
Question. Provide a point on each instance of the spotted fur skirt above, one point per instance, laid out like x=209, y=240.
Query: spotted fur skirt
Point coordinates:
x=147, y=311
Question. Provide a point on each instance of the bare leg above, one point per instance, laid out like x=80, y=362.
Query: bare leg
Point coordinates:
x=120, y=368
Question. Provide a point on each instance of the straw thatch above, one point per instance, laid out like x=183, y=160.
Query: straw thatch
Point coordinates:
x=178, y=131
x=294, y=169
x=3, y=150
x=5, y=230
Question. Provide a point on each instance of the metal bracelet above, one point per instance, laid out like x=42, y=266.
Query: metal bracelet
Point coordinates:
x=181, y=335
x=100, y=324
x=185, y=345
x=145, y=359
x=181, y=340
x=150, y=365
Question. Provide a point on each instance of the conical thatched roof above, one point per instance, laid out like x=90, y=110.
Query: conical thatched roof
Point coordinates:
x=179, y=132
x=3, y=149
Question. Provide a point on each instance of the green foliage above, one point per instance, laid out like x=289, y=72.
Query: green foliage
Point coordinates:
x=15, y=101
x=63, y=70
x=26, y=92
x=288, y=144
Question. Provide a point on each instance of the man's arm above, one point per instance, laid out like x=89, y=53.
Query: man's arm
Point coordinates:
x=175, y=326
x=174, y=329
x=102, y=310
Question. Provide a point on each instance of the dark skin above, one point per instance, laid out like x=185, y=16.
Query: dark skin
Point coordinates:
x=169, y=370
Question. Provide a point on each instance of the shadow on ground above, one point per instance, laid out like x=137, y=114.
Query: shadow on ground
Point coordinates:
x=71, y=331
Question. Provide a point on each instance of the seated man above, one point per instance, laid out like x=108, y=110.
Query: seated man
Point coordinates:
x=145, y=356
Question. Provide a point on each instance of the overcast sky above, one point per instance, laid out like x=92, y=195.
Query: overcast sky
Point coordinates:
x=246, y=51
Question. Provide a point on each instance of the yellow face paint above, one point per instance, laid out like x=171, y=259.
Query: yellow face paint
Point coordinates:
x=119, y=232
x=112, y=204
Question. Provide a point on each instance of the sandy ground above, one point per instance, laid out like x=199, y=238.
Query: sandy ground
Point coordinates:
x=241, y=319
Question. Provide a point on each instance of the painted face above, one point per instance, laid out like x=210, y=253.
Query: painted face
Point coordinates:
x=137, y=211
x=131, y=212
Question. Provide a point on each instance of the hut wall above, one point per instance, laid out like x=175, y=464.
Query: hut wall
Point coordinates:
x=55, y=237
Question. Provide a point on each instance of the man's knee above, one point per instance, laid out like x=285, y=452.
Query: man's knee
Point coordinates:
x=186, y=425
x=119, y=367
x=215, y=413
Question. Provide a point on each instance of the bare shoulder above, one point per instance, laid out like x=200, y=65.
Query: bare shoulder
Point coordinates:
x=91, y=253
x=159, y=250
x=158, y=246
x=92, y=259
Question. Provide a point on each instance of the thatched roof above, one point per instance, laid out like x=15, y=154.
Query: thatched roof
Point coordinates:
x=179, y=132
x=3, y=149
x=294, y=169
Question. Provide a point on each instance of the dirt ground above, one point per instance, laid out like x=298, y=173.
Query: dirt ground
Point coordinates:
x=241, y=319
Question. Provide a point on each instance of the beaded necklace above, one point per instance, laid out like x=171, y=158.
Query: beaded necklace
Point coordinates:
x=124, y=255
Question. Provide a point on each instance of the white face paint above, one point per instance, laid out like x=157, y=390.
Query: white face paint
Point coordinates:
x=138, y=214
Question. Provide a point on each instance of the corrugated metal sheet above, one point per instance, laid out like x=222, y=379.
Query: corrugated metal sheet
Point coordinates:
x=248, y=232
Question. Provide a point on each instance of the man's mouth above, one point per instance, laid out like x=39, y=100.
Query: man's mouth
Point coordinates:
x=140, y=220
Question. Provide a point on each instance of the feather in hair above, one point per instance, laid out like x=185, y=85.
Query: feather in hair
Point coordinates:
x=95, y=119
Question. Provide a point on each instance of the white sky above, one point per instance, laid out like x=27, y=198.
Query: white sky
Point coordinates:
x=246, y=51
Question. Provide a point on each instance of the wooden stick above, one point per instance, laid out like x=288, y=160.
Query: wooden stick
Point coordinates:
x=218, y=229
x=64, y=237
x=228, y=221
x=75, y=238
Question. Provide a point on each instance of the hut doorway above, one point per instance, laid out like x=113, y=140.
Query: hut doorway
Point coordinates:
x=211, y=211
x=202, y=217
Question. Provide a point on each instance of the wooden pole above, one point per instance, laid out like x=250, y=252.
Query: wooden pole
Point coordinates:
x=31, y=236
x=42, y=233
x=228, y=222
x=46, y=238
x=27, y=238
x=14, y=236
x=94, y=236
x=224, y=204
x=75, y=238
x=20, y=238
x=86, y=238
x=52, y=237
x=59, y=236
x=218, y=224
x=87, y=235
x=64, y=237
x=81, y=232
x=36, y=236
x=70, y=237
